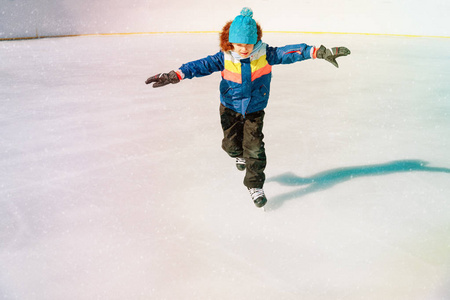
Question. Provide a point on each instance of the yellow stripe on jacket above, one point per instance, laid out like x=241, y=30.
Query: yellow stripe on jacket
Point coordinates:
x=259, y=67
x=232, y=70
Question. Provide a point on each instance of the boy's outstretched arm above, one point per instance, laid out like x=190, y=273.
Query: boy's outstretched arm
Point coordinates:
x=163, y=79
x=198, y=68
x=330, y=55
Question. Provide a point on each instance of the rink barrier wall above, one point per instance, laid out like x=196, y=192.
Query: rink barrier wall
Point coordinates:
x=202, y=32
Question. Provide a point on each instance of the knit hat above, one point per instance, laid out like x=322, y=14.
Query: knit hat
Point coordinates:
x=243, y=29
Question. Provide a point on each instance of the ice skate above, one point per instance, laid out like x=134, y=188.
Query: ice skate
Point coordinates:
x=258, y=197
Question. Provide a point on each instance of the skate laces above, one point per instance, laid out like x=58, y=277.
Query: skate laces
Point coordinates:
x=255, y=193
x=240, y=161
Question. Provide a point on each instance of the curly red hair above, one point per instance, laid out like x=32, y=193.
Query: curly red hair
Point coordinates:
x=225, y=44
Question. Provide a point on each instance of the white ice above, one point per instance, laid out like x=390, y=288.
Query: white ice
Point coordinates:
x=110, y=189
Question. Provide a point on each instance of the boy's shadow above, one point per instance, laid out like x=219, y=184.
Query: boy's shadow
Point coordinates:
x=327, y=179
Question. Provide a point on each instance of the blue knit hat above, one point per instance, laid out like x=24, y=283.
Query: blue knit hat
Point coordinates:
x=243, y=29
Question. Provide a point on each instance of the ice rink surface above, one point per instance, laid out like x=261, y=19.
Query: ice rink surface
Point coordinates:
x=110, y=189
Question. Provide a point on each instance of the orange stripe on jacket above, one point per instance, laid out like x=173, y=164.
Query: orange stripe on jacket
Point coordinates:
x=231, y=76
x=262, y=71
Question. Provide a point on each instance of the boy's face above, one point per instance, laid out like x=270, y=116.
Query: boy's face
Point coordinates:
x=244, y=50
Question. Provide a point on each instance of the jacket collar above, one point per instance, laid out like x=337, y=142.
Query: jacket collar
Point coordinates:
x=257, y=47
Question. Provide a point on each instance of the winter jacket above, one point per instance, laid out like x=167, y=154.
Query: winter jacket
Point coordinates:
x=245, y=85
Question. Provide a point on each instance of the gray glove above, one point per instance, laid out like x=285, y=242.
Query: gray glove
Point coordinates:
x=163, y=79
x=331, y=55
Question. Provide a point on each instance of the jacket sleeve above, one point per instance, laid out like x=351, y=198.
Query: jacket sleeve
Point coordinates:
x=289, y=54
x=204, y=66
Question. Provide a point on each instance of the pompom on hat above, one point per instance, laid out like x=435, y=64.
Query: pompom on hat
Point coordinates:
x=243, y=29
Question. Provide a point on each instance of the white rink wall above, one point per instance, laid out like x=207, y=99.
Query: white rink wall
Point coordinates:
x=31, y=18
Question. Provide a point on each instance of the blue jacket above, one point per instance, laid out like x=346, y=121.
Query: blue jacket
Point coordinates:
x=245, y=84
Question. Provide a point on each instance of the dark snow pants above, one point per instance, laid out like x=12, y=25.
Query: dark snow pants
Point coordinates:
x=243, y=137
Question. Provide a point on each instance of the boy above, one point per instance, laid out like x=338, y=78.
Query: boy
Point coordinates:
x=246, y=64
